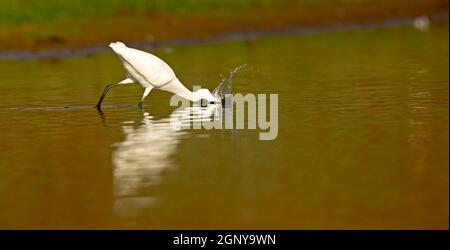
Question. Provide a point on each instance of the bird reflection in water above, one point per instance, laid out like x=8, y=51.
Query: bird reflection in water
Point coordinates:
x=146, y=152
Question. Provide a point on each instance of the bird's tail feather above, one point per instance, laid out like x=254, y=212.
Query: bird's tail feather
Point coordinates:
x=117, y=46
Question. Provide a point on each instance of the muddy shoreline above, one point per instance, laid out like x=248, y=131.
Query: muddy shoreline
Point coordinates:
x=83, y=37
x=242, y=36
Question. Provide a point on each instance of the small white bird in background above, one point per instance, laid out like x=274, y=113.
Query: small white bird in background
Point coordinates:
x=422, y=23
x=152, y=73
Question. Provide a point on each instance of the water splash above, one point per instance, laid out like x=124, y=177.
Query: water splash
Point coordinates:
x=226, y=86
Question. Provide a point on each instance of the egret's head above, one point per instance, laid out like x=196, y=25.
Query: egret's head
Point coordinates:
x=204, y=95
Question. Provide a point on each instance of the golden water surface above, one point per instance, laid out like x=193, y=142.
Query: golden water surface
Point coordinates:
x=362, y=139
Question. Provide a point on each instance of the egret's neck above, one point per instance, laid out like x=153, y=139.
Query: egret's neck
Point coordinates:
x=179, y=89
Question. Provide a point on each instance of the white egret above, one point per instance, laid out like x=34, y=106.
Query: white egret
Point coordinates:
x=151, y=72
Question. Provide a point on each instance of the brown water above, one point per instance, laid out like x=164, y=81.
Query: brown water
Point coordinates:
x=362, y=139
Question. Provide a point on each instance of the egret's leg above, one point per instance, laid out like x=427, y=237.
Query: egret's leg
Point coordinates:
x=146, y=92
x=108, y=88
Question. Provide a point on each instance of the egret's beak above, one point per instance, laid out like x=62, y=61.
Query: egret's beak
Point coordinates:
x=218, y=101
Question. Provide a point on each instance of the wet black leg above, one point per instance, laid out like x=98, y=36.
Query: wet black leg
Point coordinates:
x=105, y=91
